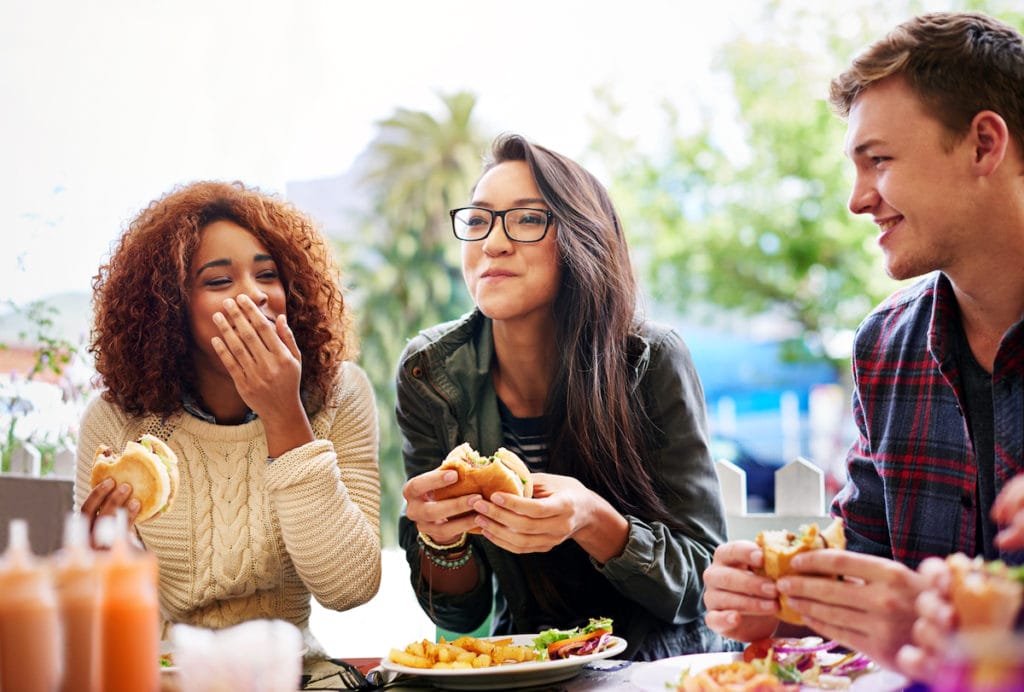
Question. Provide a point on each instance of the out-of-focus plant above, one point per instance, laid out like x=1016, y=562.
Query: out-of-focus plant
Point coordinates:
x=21, y=394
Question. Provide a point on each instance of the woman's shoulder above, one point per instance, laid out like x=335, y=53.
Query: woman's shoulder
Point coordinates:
x=658, y=336
x=352, y=386
x=99, y=409
x=448, y=334
x=108, y=419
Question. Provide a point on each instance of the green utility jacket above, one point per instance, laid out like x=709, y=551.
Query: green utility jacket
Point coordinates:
x=653, y=591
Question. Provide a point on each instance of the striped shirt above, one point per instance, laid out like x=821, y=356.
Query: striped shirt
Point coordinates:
x=913, y=488
x=525, y=437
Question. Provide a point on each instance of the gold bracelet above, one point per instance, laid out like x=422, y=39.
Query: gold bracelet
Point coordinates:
x=427, y=542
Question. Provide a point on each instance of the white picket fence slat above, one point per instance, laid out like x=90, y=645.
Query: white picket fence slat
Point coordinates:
x=799, y=499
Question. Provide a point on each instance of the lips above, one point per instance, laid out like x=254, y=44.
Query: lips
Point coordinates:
x=886, y=226
x=496, y=274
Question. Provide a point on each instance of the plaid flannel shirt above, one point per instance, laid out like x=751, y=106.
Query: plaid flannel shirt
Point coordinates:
x=913, y=476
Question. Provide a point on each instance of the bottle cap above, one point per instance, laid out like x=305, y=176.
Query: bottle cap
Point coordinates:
x=105, y=531
x=76, y=531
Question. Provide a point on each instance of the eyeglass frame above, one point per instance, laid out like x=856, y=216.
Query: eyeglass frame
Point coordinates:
x=549, y=216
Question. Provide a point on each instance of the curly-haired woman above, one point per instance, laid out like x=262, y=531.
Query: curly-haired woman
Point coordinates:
x=606, y=408
x=220, y=327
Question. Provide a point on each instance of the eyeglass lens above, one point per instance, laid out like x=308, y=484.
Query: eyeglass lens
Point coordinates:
x=525, y=225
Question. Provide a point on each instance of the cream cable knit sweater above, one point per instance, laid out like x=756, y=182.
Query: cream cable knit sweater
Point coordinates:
x=246, y=539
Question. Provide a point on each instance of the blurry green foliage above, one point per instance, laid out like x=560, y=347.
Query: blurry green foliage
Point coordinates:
x=405, y=273
x=747, y=215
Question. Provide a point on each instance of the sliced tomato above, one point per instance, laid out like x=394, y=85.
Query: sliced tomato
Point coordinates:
x=758, y=649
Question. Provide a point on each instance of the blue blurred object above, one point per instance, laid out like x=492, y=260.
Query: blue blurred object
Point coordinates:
x=745, y=381
x=760, y=475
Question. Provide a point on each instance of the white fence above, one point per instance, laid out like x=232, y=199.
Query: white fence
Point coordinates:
x=799, y=498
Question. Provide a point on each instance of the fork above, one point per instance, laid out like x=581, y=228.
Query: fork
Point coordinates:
x=346, y=673
x=352, y=679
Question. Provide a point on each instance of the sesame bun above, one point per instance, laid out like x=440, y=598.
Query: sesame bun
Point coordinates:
x=148, y=466
x=780, y=547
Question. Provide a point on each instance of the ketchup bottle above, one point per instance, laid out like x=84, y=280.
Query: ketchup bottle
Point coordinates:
x=129, y=615
x=29, y=628
x=78, y=599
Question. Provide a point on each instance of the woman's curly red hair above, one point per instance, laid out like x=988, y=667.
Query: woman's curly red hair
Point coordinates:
x=141, y=339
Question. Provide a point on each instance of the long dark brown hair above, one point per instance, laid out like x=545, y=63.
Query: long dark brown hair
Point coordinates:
x=597, y=316
x=141, y=338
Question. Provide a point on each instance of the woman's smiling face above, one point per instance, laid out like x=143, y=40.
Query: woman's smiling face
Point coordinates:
x=510, y=280
x=229, y=262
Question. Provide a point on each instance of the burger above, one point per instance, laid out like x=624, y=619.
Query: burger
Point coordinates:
x=985, y=595
x=780, y=547
x=502, y=472
x=148, y=465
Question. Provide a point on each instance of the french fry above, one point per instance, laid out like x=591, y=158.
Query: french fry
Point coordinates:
x=404, y=658
x=463, y=653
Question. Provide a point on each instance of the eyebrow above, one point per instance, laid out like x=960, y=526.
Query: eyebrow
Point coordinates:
x=225, y=262
x=864, y=146
x=515, y=203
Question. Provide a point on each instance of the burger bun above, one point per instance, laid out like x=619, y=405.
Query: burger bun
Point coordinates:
x=148, y=465
x=780, y=547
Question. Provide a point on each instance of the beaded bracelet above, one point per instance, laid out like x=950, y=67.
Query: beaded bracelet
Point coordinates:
x=446, y=562
x=430, y=547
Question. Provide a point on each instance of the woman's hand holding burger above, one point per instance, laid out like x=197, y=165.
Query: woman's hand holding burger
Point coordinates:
x=561, y=509
x=444, y=521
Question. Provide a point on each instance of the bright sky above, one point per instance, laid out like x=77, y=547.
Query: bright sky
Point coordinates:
x=107, y=105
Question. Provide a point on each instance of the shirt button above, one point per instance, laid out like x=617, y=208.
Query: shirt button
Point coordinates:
x=967, y=500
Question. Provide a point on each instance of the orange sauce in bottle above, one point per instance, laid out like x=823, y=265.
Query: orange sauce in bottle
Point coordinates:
x=129, y=617
x=78, y=598
x=29, y=628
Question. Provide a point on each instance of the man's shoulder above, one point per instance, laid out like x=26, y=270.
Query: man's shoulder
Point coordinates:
x=906, y=310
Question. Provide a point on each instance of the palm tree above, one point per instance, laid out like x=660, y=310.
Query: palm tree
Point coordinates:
x=406, y=275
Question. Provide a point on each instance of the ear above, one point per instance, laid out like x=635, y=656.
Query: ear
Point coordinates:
x=990, y=138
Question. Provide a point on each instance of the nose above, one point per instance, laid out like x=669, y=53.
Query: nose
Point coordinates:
x=497, y=243
x=255, y=292
x=864, y=195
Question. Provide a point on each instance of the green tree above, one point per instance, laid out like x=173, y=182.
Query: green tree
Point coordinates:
x=752, y=218
x=405, y=274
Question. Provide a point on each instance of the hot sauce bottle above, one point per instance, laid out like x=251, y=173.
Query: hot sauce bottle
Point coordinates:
x=78, y=598
x=129, y=616
x=29, y=628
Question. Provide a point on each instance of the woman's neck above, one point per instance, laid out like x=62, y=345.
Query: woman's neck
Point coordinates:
x=525, y=363
x=218, y=397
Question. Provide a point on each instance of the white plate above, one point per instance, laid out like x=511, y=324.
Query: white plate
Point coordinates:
x=656, y=675
x=510, y=675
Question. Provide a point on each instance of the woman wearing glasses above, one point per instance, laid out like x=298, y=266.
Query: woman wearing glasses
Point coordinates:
x=605, y=408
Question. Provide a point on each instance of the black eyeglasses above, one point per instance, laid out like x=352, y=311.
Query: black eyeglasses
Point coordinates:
x=522, y=224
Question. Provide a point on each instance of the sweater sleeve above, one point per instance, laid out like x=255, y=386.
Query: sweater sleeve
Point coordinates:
x=662, y=567
x=327, y=496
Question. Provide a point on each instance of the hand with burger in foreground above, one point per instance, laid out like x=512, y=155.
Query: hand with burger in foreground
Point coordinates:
x=967, y=600
x=865, y=602
x=143, y=479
